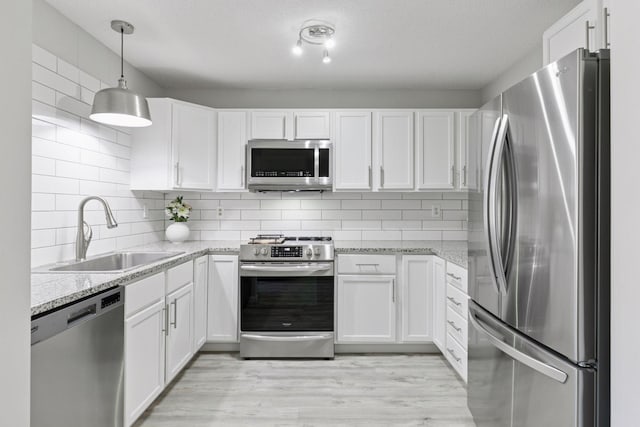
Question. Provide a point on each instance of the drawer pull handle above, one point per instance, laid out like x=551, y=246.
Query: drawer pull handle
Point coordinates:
x=453, y=325
x=454, y=276
x=453, y=354
x=453, y=300
x=367, y=265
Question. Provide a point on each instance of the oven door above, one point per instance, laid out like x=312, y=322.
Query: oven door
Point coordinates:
x=286, y=297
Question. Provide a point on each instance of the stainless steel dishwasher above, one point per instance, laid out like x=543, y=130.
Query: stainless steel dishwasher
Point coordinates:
x=77, y=363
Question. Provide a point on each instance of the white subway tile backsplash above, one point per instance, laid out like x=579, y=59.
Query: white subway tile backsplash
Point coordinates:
x=300, y=214
x=76, y=170
x=43, y=202
x=401, y=225
x=441, y=225
x=381, y=235
x=361, y=204
x=43, y=130
x=89, y=81
x=460, y=215
x=43, y=166
x=54, y=185
x=361, y=225
x=389, y=215
x=401, y=204
x=43, y=94
x=280, y=225
x=53, y=150
x=55, y=81
x=72, y=105
x=280, y=204
x=443, y=204
x=340, y=214
x=68, y=71
x=240, y=204
x=43, y=57
x=260, y=215
x=421, y=235
x=320, y=204
x=321, y=225
x=454, y=235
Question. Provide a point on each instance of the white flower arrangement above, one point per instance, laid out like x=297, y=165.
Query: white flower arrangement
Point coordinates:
x=178, y=211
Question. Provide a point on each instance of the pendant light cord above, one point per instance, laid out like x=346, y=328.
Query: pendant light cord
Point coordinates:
x=122, y=52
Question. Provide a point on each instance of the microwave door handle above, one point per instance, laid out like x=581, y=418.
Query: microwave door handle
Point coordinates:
x=316, y=164
x=516, y=354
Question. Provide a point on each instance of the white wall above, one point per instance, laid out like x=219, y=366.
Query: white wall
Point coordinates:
x=310, y=98
x=74, y=157
x=15, y=118
x=527, y=64
x=343, y=216
x=625, y=146
x=55, y=33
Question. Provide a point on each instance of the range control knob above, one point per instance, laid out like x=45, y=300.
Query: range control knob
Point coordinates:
x=263, y=251
x=316, y=251
x=256, y=251
x=309, y=252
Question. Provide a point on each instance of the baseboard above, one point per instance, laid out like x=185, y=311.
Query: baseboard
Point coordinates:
x=342, y=348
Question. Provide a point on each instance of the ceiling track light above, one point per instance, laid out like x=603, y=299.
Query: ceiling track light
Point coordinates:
x=318, y=33
x=118, y=106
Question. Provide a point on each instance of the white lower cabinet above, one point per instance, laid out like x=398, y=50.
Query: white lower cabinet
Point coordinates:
x=366, y=309
x=455, y=318
x=417, y=298
x=200, y=278
x=159, y=335
x=439, y=303
x=145, y=337
x=144, y=359
x=180, y=332
x=222, y=296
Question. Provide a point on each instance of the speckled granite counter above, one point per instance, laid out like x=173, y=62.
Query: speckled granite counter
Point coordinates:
x=52, y=290
x=455, y=252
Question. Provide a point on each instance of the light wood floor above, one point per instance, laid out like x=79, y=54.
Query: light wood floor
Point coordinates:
x=219, y=389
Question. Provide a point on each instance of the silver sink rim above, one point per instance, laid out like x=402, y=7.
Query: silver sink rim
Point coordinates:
x=54, y=268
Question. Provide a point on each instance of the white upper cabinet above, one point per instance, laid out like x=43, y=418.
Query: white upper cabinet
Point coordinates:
x=394, y=150
x=586, y=25
x=352, y=148
x=271, y=125
x=435, y=160
x=312, y=124
x=232, y=142
x=177, y=151
x=467, y=151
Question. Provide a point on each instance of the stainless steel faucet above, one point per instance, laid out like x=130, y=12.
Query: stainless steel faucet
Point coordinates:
x=83, y=237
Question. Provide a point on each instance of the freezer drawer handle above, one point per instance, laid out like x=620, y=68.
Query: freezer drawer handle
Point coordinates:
x=454, y=276
x=453, y=354
x=534, y=364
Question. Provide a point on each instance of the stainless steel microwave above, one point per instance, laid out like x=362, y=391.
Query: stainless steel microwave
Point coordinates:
x=289, y=165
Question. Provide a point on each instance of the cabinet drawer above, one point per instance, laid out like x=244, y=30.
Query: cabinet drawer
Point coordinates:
x=457, y=300
x=367, y=264
x=457, y=327
x=457, y=356
x=179, y=276
x=457, y=276
x=143, y=293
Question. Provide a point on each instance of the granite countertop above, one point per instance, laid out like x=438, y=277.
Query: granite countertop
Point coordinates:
x=52, y=290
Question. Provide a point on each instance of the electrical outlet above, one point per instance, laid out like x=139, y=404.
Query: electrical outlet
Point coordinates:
x=145, y=211
x=435, y=211
x=220, y=211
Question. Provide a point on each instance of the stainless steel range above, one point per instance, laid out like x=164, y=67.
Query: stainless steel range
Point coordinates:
x=287, y=297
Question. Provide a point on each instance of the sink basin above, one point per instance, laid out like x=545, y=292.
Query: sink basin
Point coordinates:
x=115, y=262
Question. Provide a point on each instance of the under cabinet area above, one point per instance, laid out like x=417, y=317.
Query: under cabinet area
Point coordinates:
x=177, y=152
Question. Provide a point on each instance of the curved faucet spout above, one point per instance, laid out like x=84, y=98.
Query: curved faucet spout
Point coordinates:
x=83, y=238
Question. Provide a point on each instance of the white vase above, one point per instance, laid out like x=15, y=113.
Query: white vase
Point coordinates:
x=177, y=232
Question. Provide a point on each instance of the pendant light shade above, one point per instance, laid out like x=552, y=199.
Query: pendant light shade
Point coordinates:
x=118, y=106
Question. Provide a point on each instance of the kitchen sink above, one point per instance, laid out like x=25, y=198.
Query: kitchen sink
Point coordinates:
x=114, y=262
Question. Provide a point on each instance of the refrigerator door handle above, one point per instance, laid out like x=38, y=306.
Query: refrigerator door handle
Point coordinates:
x=517, y=355
x=492, y=209
x=487, y=210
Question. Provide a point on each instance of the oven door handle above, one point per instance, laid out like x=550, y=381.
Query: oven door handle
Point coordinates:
x=306, y=268
x=287, y=338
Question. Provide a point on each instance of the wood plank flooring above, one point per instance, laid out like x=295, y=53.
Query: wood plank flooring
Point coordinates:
x=219, y=389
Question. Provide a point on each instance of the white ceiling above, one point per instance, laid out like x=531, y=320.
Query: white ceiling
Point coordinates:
x=383, y=44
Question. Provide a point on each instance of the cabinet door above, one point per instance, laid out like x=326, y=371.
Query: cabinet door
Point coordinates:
x=200, y=277
x=439, y=304
x=312, y=125
x=144, y=337
x=352, y=145
x=180, y=336
x=394, y=147
x=232, y=142
x=466, y=151
x=193, y=140
x=366, y=309
x=436, y=142
x=271, y=125
x=222, y=295
x=574, y=30
x=417, y=298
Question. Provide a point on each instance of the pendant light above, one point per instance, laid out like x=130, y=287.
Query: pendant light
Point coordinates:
x=118, y=106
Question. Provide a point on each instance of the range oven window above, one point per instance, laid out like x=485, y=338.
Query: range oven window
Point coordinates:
x=282, y=162
x=273, y=304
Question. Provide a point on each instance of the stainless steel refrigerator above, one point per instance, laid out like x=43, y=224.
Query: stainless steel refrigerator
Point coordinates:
x=539, y=250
